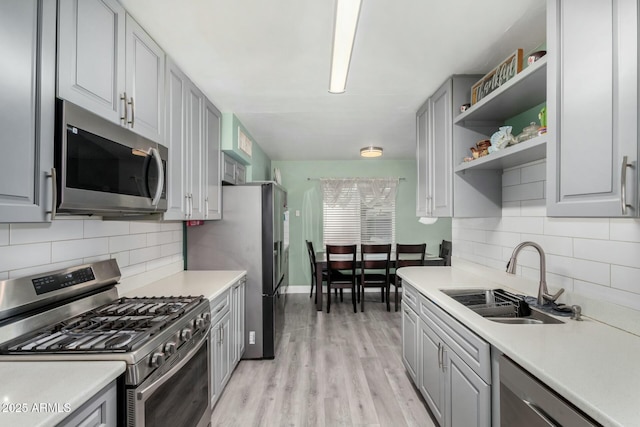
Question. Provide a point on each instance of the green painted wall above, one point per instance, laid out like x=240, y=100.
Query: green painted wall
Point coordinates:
x=259, y=164
x=524, y=119
x=305, y=196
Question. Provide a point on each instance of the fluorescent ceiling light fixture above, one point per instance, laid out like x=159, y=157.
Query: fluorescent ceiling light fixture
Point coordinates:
x=371, y=151
x=427, y=220
x=344, y=32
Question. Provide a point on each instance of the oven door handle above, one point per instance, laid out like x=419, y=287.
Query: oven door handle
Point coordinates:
x=142, y=394
x=155, y=154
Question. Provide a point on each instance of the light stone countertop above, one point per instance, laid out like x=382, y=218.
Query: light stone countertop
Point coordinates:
x=591, y=364
x=32, y=384
x=191, y=282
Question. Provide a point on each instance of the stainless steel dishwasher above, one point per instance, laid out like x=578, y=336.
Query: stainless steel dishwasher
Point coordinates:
x=525, y=401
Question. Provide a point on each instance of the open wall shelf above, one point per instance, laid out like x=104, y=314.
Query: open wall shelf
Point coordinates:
x=524, y=152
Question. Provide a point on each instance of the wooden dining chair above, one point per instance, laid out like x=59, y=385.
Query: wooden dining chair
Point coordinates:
x=374, y=270
x=406, y=256
x=445, y=252
x=341, y=257
x=314, y=278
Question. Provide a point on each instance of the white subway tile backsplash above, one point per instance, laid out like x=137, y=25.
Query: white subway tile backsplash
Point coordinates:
x=619, y=253
x=589, y=228
x=122, y=258
x=534, y=172
x=555, y=245
x=510, y=208
x=488, y=251
x=522, y=225
x=161, y=238
x=22, y=256
x=625, y=278
x=124, y=243
x=137, y=256
x=132, y=270
x=137, y=227
x=171, y=249
x=99, y=228
x=528, y=191
x=47, y=232
x=27, y=249
x=502, y=238
x=511, y=177
x=74, y=249
x=536, y=207
x=4, y=234
x=171, y=226
x=625, y=229
x=589, y=271
x=597, y=292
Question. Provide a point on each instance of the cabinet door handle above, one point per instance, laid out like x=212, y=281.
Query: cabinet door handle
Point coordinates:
x=133, y=112
x=206, y=207
x=54, y=193
x=623, y=184
x=124, y=118
x=439, y=357
x=186, y=205
x=444, y=354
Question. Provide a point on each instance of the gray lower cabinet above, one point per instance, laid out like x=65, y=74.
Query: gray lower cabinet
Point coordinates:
x=238, y=292
x=100, y=411
x=27, y=109
x=452, y=365
x=227, y=336
x=592, y=108
x=410, y=341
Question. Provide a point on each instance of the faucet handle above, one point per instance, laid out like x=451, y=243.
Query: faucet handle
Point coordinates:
x=554, y=297
x=576, y=312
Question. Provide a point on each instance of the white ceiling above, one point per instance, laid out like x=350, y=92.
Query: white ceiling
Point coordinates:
x=268, y=62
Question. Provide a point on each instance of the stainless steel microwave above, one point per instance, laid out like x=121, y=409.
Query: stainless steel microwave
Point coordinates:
x=106, y=169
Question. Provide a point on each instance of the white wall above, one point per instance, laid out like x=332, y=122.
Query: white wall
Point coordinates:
x=139, y=247
x=596, y=257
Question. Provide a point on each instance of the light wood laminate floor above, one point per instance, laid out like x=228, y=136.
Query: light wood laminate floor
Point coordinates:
x=336, y=369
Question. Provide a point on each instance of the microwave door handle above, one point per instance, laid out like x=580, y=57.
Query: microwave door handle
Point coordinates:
x=156, y=155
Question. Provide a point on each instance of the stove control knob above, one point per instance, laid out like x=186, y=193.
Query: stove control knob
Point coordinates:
x=157, y=359
x=207, y=317
x=186, y=334
x=200, y=323
x=170, y=348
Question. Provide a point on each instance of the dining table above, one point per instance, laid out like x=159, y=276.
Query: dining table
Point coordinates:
x=321, y=265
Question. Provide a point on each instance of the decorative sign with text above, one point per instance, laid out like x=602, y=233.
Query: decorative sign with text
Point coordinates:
x=497, y=77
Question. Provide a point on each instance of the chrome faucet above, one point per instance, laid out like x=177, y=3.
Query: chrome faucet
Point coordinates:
x=543, y=292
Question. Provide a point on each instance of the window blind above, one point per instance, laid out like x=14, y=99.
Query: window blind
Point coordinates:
x=358, y=219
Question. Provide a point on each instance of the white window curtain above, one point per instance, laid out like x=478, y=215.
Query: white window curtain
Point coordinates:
x=359, y=210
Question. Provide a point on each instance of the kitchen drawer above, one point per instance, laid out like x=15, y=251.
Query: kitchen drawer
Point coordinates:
x=220, y=307
x=472, y=349
x=410, y=296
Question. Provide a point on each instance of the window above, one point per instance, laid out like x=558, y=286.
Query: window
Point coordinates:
x=359, y=211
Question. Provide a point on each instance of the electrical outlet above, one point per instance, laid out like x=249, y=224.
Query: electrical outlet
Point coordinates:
x=252, y=337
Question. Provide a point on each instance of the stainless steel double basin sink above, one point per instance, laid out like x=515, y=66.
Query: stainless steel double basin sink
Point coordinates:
x=500, y=306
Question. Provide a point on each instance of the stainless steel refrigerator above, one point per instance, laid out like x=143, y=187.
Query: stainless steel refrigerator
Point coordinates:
x=250, y=236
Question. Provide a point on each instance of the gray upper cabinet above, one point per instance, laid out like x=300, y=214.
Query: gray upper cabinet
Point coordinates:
x=442, y=197
x=144, y=82
x=192, y=135
x=27, y=109
x=212, y=193
x=110, y=66
x=423, y=189
x=175, y=139
x=91, y=55
x=440, y=145
x=592, y=108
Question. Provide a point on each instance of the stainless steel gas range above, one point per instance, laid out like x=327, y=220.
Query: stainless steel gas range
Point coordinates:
x=75, y=314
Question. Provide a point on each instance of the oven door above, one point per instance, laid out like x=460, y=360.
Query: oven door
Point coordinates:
x=180, y=397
